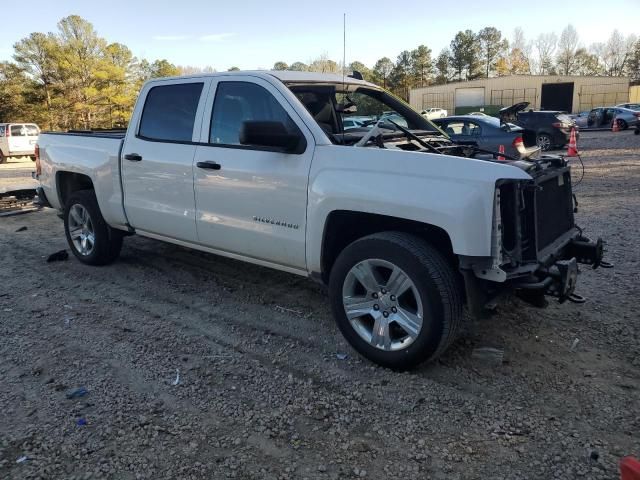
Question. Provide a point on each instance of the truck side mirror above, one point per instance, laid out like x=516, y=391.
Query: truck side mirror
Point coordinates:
x=272, y=135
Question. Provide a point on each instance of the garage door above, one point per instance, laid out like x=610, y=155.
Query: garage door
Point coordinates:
x=470, y=97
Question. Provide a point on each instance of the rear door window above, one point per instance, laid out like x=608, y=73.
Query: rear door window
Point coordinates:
x=18, y=130
x=32, y=130
x=463, y=128
x=169, y=112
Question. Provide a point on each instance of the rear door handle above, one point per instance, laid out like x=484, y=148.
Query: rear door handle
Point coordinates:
x=134, y=157
x=209, y=165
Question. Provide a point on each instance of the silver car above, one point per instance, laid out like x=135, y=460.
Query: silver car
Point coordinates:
x=603, y=117
x=631, y=106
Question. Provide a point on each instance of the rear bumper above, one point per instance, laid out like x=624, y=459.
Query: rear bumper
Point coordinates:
x=41, y=199
x=21, y=153
x=561, y=137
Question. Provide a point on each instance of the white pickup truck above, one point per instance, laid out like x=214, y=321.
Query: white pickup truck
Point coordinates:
x=404, y=228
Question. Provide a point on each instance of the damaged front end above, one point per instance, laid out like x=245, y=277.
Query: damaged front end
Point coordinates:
x=536, y=245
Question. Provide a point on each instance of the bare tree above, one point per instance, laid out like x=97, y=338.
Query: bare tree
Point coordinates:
x=546, y=46
x=614, y=54
x=323, y=64
x=522, y=49
x=567, y=47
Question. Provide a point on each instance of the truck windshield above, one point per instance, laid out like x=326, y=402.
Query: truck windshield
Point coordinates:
x=347, y=113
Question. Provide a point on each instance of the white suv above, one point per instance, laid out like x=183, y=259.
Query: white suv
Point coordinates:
x=18, y=140
x=432, y=113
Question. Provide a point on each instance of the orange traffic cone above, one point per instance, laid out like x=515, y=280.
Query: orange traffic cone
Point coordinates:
x=501, y=150
x=572, y=148
x=629, y=469
x=614, y=126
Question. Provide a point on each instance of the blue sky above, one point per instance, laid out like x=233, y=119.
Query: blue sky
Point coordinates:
x=254, y=34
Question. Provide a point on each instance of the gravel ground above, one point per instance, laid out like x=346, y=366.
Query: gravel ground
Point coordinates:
x=17, y=172
x=264, y=390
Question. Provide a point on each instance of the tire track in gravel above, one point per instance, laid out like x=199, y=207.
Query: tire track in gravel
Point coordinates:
x=202, y=326
x=415, y=388
x=389, y=403
x=543, y=380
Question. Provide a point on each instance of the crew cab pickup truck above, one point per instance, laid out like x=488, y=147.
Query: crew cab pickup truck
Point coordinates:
x=405, y=228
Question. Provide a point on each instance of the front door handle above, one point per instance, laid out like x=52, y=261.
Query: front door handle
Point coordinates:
x=134, y=157
x=209, y=165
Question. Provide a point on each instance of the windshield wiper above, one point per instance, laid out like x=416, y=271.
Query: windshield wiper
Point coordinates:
x=475, y=148
x=413, y=136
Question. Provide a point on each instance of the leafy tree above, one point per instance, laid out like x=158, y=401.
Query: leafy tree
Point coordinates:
x=421, y=65
x=443, y=67
x=515, y=63
x=299, y=67
x=633, y=65
x=280, y=66
x=366, y=72
x=382, y=71
x=401, y=75
x=323, y=64
x=81, y=53
x=164, y=68
x=117, y=89
x=234, y=69
x=37, y=55
x=464, y=55
x=492, y=46
x=14, y=83
x=567, y=47
x=586, y=63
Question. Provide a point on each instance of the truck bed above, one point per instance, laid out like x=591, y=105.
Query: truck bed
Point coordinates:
x=90, y=154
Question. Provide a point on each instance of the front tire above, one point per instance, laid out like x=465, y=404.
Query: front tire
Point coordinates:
x=395, y=299
x=91, y=240
x=3, y=159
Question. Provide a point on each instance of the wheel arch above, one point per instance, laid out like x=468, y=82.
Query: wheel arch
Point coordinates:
x=70, y=182
x=343, y=227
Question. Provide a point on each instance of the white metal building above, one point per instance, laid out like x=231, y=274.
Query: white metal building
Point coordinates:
x=543, y=92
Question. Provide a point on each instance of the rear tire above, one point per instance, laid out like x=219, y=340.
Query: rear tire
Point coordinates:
x=91, y=240
x=543, y=141
x=622, y=125
x=3, y=159
x=409, y=310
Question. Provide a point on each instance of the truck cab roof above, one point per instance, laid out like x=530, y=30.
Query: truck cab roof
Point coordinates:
x=285, y=76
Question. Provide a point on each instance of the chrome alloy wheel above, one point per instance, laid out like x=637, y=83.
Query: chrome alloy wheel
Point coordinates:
x=81, y=230
x=382, y=304
x=544, y=142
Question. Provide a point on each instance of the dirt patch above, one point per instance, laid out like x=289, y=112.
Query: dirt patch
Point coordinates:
x=262, y=392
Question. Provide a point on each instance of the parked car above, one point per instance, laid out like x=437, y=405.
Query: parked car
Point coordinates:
x=631, y=106
x=402, y=227
x=432, y=113
x=18, y=140
x=603, y=117
x=394, y=117
x=485, y=132
x=580, y=119
x=548, y=129
x=350, y=123
x=480, y=114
